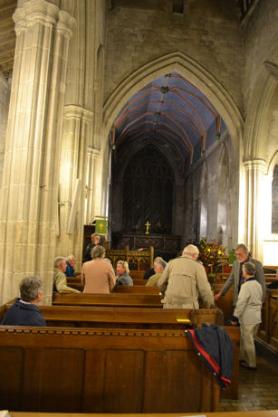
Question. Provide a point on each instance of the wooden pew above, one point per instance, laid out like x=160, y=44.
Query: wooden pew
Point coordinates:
x=136, y=289
x=257, y=413
x=79, y=316
x=104, y=370
x=268, y=332
x=139, y=260
x=116, y=299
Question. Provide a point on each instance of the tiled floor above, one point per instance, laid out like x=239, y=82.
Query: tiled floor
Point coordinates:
x=258, y=390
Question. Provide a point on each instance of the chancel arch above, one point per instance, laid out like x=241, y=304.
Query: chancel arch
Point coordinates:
x=173, y=116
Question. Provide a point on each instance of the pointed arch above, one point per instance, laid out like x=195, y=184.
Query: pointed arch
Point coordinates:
x=192, y=71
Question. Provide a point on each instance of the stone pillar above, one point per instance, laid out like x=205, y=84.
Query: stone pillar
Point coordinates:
x=93, y=155
x=77, y=129
x=4, y=106
x=255, y=205
x=28, y=217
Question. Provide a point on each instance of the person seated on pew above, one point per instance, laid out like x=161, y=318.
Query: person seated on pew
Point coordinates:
x=98, y=273
x=184, y=280
x=60, y=279
x=158, y=265
x=25, y=312
x=95, y=241
x=248, y=313
x=274, y=284
x=70, y=271
x=122, y=274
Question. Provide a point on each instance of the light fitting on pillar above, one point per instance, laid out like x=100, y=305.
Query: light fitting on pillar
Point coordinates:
x=218, y=126
x=112, y=138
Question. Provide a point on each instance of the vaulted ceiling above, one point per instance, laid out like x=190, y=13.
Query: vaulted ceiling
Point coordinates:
x=169, y=109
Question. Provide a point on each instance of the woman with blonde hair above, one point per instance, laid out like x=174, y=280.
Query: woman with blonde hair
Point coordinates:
x=122, y=274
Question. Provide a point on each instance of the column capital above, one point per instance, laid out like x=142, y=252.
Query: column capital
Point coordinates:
x=35, y=11
x=66, y=23
x=256, y=164
x=72, y=111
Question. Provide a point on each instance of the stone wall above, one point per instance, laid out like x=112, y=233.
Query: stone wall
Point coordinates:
x=208, y=31
x=211, y=196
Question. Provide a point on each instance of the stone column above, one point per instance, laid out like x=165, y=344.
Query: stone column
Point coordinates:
x=4, y=106
x=255, y=204
x=77, y=128
x=28, y=217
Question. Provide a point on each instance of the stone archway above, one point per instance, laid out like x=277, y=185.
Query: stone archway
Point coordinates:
x=260, y=146
x=194, y=73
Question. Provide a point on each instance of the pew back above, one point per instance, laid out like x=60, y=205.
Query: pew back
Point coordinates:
x=103, y=370
x=117, y=299
x=139, y=260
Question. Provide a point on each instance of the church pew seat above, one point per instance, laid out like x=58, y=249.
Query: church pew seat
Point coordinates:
x=256, y=413
x=104, y=370
x=138, y=260
x=268, y=332
x=136, y=289
x=127, y=316
x=117, y=299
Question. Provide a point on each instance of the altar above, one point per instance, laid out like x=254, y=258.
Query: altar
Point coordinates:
x=166, y=246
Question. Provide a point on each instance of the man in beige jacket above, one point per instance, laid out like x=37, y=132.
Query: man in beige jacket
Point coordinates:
x=185, y=280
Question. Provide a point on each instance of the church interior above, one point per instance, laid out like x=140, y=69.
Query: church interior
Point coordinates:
x=153, y=123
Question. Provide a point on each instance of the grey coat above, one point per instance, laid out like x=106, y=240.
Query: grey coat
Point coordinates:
x=234, y=278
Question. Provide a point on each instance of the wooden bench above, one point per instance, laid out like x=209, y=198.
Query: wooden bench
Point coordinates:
x=259, y=413
x=138, y=260
x=268, y=332
x=104, y=370
x=79, y=316
x=136, y=289
x=116, y=299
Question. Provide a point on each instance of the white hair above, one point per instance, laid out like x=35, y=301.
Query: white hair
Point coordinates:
x=190, y=250
x=58, y=260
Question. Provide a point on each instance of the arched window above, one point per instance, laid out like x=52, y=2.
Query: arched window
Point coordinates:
x=275, y=200
x=148, y=192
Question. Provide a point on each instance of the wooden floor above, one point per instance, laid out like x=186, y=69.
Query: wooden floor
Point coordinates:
x=258, y=390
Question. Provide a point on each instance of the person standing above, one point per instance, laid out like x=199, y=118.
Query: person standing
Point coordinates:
x=95, y=241
x=184, y=280
x=98, y=273
x=236, y=278
x=248, y=313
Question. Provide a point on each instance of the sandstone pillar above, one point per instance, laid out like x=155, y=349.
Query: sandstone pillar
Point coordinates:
x=4, y=106
x=74, y=186
x=255, y=205
x=29, y=208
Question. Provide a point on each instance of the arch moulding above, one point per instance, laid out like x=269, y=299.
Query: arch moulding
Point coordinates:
x=188, y=68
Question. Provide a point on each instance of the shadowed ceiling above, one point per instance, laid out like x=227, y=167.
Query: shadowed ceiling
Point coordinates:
x=169, y=109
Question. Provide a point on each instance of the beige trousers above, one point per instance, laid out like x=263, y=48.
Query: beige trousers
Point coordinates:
x=247, y=344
